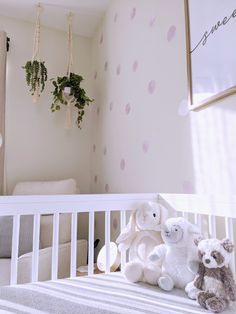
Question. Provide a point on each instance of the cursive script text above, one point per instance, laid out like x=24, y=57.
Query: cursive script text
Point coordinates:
x=214, y=28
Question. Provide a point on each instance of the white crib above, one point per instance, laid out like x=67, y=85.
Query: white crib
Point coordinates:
x=203, y=210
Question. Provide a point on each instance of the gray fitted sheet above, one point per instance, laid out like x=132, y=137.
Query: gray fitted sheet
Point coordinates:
x=97, y=294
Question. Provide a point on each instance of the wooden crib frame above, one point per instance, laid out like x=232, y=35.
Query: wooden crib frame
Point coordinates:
x=180, y=204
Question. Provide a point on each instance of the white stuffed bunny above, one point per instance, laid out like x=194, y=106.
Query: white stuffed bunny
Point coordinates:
x=140, y=236
x=178, y=249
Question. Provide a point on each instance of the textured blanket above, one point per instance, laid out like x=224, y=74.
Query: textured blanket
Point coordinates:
x=97, y=294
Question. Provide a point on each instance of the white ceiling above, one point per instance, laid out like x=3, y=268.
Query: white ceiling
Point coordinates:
x=87, y=13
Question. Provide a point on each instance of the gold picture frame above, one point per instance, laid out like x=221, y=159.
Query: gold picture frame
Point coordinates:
x=217, y=96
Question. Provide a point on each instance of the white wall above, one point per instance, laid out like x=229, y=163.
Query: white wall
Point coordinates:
x=142, y=139
x=142, y=143
x=145, y=140
x=2, y=103
x=154, y=144
x=214, y=148
x=37, y=145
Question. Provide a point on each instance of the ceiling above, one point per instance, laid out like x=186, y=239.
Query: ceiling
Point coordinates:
x=87, y=13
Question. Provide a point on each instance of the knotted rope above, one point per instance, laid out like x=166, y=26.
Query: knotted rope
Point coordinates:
x=37, y=33
x=70, y=43
x=36, y=46
x=69, y=99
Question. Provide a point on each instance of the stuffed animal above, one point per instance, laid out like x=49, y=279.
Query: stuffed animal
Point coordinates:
x=178, y=249
x=214, y=284
x=140, y=236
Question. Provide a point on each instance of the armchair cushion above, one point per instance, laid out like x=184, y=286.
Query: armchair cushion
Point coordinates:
x=46, y=229
x=25, y=237
x=45, y=257
x=67, y=186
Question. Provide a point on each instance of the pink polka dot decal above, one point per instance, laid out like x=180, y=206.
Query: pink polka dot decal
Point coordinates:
x=151, y=87
x=106, y=66
x=115, y=223
x=94, y=148
x=188, y=187
x=171, y=33
x=183, y=108
x=95, y=179
x=95, y=75
x=111, y=106
x=107, y=188
x=115, y=17
x=133, y=13
x=104, y=151
x=135, y=66
x=118, y=70
x=127, y=108
x=152, y=21
x=101, y=39
x=122, y=164
x=145, y=146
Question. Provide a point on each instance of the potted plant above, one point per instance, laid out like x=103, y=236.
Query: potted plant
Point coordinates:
x=67, y=91
x=36, y=76
x=36, y=71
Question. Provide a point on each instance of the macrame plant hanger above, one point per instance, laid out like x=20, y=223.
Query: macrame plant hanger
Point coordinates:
x=36, y=46
x=69, y=99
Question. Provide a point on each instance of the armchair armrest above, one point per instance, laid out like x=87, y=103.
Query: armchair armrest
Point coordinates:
x=45, y=258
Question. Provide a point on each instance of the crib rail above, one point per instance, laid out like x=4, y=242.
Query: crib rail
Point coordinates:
x=50, y=204
x=199, y=207
x=211, y=206
x=17, y=206
x=221, y=206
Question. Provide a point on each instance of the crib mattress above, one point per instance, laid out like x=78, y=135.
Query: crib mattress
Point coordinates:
x=97, y=294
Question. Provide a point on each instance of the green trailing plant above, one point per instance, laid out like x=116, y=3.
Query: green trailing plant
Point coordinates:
x=80, y=99
x=36, y=76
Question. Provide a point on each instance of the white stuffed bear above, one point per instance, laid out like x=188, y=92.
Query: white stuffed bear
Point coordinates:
x=140, y=236
x=178, y=249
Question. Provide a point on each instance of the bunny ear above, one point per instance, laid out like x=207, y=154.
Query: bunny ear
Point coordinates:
x=164, y=214
x=129, y=230
x=193, y=228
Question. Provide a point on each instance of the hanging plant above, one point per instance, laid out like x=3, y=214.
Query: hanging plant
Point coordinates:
x=36, y=76
x=67, y=91
x=35, y=70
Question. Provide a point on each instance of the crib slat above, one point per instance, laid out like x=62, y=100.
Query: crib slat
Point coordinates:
x=229, y=230
x=212, y=226
x=91, y=244
x=107, y=239
x=73, y=253
x=15, y=248
x=198, y=221
x=35, y=254
x=122, y=225
x=185, y=215
x=55, y=240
